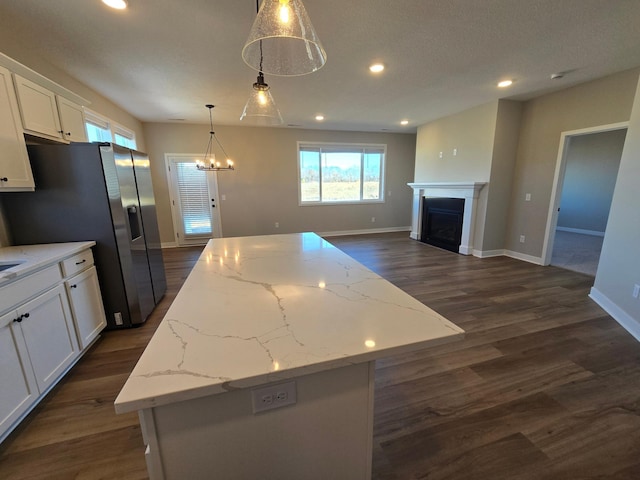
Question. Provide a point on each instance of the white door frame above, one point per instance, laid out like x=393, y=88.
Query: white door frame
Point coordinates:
x=212, y=183
x=558, y=180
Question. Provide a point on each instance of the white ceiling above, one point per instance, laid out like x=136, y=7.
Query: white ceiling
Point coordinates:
x=163, y=60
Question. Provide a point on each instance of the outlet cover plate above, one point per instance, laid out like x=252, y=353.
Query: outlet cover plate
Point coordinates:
x=273, y=396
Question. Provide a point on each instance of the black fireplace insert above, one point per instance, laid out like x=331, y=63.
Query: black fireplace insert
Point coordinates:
x=442, y=222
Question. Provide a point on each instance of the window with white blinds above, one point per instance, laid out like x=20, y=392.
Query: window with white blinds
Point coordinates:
x=193, y=195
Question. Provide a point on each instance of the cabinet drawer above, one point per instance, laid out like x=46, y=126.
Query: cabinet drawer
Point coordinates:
x=77, y=263
x=21, y=290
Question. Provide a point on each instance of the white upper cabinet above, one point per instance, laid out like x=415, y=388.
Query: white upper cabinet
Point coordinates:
x=15, y=169
x=46, y=114
x=71, y=120
x=38, y=108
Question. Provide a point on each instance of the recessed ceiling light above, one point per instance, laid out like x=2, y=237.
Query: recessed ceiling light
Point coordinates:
x=117, y=4
x=404, y=122
x=319, y=117
x=505, y=83
x=376, y=67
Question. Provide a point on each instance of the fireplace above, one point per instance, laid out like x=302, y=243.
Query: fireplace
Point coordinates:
x=442, y=220
x=467, y=191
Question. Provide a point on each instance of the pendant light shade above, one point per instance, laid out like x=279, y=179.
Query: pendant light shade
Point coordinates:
x=283, y=41
x=260, y=108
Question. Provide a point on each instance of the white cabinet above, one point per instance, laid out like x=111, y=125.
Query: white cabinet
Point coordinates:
x=46, y=114
x=15, y=169
x=19, y=390
x=71, y=120
x=49, y=318
x=48, y=331
x=86, y=305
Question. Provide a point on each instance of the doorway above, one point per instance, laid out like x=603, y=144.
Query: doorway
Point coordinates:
x=194, y=200
x=586, y=172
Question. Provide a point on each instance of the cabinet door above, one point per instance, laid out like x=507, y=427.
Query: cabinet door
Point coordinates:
x=48, y=332
x=86, y=305
x=15, y=169
x=18, y=389
x=71, y=120
x=38, y=108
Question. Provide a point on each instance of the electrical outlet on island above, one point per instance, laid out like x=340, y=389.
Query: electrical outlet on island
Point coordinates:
x=273, y=396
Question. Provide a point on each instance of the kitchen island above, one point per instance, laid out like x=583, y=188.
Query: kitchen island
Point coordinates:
x=263, y=365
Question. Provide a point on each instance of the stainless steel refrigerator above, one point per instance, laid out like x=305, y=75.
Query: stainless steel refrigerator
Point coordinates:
x=101, y=192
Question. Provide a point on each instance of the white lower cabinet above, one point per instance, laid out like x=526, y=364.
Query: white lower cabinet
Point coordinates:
x=19, y=390
x=86, y=305
x=49, y=318
x=48, y=331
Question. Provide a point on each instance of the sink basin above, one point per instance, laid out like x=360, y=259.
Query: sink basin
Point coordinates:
x=7, y=265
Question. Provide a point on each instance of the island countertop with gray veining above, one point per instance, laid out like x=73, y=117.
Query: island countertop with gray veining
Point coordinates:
x=261, y=309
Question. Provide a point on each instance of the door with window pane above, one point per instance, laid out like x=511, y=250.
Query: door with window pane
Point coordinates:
x=194, y=200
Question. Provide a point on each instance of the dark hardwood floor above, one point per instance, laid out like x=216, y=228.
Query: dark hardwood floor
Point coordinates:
x=544, y=386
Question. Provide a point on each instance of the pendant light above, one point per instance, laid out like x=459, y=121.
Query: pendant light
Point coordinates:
x=209, y=162
x=260, y=108
x=282, y=40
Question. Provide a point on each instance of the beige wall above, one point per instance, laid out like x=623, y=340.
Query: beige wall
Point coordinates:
x=619, y=267
x=505, y=146
x=471, y=133
x=600, y=102
x=263, y=188
x=485, y=139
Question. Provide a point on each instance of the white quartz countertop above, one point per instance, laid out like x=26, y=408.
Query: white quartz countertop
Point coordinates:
x=34, y=257
x=262, y=309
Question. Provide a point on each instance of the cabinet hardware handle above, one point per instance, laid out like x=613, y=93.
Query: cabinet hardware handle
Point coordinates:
x=81, y=262
x=60, y=131
x=68, y=134
x=19, y=319
x=4, y=179
x=73, y=286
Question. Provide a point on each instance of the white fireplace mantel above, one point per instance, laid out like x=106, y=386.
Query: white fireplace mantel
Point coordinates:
x=470, y=191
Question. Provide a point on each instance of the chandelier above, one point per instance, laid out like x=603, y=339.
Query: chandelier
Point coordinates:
x=209, y=162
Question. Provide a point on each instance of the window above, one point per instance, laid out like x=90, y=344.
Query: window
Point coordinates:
x=98, y=129
x=101, y=129
x=123, y=136
x=340, y=173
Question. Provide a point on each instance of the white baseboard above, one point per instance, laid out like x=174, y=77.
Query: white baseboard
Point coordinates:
x=623, y=318
x=524, y=257
x=594, y=233
x=168, y=245
x=488, y=253
x=364, y=232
